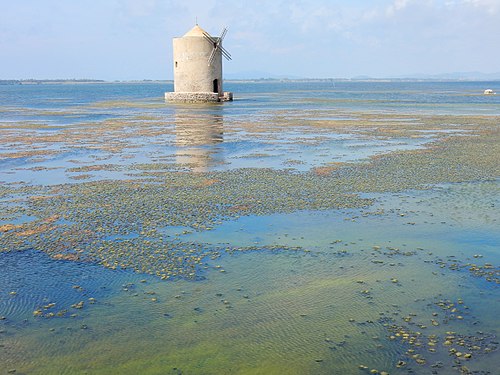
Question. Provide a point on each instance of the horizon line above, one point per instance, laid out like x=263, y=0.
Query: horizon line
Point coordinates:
x=361, y=78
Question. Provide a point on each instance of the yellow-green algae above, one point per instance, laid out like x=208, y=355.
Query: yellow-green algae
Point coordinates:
x=285, y=328
x=290, y=325
x=96, y=210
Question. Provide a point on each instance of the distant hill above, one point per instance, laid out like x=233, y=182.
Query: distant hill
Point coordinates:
x=455, y=76
x=256, y=74
x=458, y=76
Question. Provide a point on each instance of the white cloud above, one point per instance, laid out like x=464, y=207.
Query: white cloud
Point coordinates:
x=492, y=7
x=396, y=7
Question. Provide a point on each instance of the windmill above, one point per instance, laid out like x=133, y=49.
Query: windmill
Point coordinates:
x=217, y=45
x=194, y=79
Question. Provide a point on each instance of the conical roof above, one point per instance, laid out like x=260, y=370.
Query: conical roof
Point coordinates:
x=195, y=31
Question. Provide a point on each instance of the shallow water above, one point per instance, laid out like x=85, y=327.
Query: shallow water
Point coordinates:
x=296, y=291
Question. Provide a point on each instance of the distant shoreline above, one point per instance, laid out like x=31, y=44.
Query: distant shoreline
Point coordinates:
x=70, y=81
x=259, y=80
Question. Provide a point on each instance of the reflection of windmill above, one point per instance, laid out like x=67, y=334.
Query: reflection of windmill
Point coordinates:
x=217, y=43
x=194, y=79
x=199, y=133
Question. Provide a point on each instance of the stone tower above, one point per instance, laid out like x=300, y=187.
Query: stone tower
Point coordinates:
x=198, y=68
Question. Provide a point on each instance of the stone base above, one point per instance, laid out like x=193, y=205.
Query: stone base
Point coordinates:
x=228, y=96
x=198, y=97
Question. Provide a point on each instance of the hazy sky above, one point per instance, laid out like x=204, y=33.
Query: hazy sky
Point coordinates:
x=131, y=39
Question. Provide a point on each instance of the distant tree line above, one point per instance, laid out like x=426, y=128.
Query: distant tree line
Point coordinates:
x=45, y=81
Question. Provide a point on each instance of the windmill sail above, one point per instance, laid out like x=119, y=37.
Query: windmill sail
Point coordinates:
x=217, y=43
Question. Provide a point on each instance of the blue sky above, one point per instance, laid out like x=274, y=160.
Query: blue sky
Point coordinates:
x=131, y=39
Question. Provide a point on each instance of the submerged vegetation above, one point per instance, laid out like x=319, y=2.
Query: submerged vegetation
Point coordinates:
x=78, y=220
x=148, y=192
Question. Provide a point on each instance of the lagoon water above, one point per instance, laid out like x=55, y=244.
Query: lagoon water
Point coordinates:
x=261, y=236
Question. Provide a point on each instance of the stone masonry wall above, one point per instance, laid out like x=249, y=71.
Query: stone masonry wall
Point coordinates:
x=192, y=97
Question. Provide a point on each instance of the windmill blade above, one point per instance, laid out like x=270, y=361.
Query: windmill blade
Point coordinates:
x=209, y=38
x=214, y=52
x=212, y=56
x=223, y=34
x=226, y=54
x=217, y=43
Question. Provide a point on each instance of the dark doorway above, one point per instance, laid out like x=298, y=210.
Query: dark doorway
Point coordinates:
x=216, y=85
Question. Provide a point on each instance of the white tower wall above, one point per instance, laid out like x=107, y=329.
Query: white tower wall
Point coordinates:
x=194, y=79
x=191, y=70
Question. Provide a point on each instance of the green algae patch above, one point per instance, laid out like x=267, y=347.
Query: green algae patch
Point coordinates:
x=94, y=212
x=460, y=159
